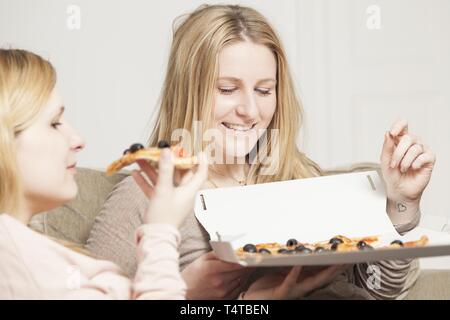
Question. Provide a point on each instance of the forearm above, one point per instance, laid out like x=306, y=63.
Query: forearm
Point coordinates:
x=387, y=279
x=404, y=215
x=158, y=275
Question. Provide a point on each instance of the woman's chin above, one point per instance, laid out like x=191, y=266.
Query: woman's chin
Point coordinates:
x=238, y=153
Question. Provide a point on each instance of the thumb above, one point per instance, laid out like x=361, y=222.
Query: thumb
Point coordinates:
x=201, y=175
x=388, y=150
x=289, y=282
x=166, y=169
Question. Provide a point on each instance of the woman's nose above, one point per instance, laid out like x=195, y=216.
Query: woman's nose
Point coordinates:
x=248, y=106
x=78, y=143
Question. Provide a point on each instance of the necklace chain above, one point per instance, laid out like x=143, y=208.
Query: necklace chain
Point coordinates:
x=240, y=182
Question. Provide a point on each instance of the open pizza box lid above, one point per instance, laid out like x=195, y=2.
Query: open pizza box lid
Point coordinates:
x=309, y=210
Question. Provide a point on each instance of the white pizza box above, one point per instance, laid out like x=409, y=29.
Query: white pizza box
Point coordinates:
x=309, y=210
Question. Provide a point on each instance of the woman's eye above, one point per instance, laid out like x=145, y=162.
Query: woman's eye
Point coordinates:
x=264, y=92
x=55, y=125
x=227, y=90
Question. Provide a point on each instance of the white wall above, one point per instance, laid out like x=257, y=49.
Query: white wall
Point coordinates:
x=354, y=81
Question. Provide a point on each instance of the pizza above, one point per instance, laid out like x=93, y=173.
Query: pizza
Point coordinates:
x=138, y=152
x=335, y=244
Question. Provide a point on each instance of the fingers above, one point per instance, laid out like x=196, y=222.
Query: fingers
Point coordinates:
x=196, y=181
x=143, y=184
x=210, y=255
x=166, y=170
x=289, y=282
x=399, y=128
x=186, y=177
x=405, y=143
x=426, y=159
x=388, y=150
x=318, y=280
x=149, y=171
x=217, y=266
x=413, y=152
x=230, y=276
x=180, y=176
x=235, y=292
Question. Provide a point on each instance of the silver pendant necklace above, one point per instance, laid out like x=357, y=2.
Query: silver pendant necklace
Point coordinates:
x=240, y=182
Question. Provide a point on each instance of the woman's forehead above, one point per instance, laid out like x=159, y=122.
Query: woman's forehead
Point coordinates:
x=246, y=59
x=55, y=104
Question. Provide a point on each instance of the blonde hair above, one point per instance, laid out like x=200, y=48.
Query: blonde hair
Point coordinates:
x=26, y=83
x=187, y=94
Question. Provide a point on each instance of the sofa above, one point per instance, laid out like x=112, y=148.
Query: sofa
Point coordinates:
x=73, y=222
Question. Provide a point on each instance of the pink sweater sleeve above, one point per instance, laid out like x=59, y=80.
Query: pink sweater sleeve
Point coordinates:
x=158, y=275
x=34, y=267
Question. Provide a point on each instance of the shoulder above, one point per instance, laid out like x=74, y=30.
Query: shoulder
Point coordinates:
x=126, y=195
x=16, y=280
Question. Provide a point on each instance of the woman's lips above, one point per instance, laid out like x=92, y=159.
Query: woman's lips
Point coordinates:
x=227, y=128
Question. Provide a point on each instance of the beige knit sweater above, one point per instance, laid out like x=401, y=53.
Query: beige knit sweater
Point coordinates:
x=112, y=238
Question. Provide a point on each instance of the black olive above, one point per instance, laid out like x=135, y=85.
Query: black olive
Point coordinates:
x=136, y=147
x=302, y=250
x=282, y=250
x=335, y=241
x=126, y=151
x=397, y=242
x=320, y=250
x=163, y=144
x=264, y=251
x=291, y=242
x=250, y=248
x=362, y=245
x=335, y=245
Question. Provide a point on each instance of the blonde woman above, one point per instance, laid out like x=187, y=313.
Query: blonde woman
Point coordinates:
x=228, y=71
x=38, y=150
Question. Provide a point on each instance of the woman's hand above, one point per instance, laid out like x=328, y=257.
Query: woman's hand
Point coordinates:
x=406, y=165
x=208, y=278
x=294, y=285
x=170, y=201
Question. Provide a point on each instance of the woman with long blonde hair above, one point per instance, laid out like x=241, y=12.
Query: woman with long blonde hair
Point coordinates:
x=38, y=150
x=228, y=78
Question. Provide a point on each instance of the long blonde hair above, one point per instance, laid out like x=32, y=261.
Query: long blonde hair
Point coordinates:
x=187, y=94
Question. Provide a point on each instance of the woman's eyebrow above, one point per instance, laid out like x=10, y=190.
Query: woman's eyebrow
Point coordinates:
x=232, y=79
x=236, y=80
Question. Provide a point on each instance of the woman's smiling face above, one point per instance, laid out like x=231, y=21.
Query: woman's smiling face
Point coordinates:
x=245, y=96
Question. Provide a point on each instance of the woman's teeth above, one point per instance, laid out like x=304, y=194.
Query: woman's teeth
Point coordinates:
x=238, y=127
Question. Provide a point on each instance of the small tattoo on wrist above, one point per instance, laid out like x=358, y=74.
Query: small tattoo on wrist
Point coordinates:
x=401, y=207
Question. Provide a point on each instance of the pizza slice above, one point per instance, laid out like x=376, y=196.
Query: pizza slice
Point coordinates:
x=139, y=152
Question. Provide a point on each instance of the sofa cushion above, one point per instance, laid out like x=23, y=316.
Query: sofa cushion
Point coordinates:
x=73, y=221
x=431, y=285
